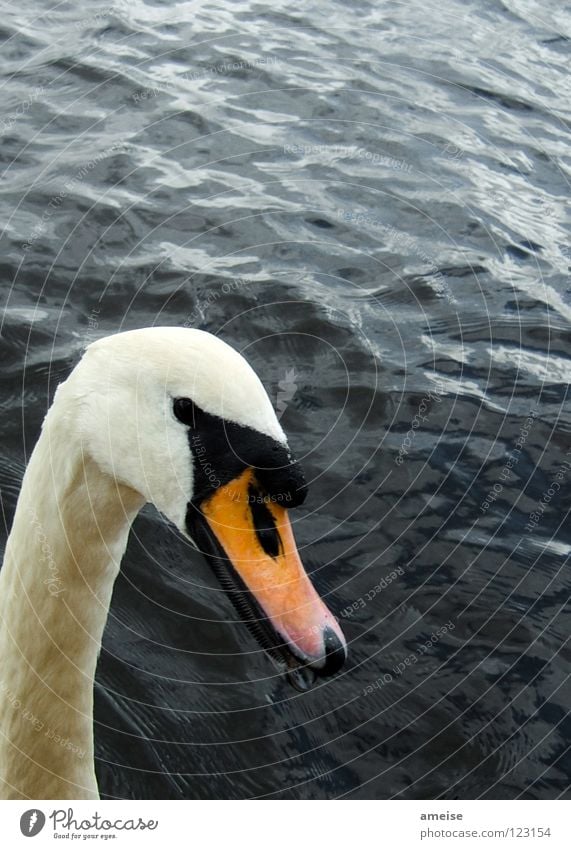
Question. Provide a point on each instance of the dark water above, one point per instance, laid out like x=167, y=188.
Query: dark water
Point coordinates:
x=375, y=197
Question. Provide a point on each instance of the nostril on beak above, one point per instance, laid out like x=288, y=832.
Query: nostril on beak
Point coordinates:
x=335, y=653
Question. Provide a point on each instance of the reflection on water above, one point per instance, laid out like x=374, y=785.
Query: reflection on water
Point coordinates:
x=373, y=207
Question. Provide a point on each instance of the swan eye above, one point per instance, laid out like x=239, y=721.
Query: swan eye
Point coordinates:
x=184, y=410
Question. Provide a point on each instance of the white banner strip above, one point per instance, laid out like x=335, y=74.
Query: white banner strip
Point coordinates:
x=288, y=824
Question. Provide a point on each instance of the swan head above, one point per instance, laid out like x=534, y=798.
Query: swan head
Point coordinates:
x=180, y=417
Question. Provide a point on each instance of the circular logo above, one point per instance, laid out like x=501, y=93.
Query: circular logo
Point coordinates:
x=32, y=822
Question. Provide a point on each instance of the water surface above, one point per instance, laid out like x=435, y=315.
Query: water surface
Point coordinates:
x=371, y=202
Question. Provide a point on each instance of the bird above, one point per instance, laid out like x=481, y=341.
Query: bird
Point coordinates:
x=177, y=417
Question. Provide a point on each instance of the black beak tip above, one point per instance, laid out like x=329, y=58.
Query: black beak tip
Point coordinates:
x=335, y=654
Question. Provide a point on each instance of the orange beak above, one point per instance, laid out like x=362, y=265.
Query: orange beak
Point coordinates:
x=256, y=535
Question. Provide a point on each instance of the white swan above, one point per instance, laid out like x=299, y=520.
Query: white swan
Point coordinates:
x=172, y=416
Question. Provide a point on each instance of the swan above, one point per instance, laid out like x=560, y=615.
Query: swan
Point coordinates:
x=172, y=416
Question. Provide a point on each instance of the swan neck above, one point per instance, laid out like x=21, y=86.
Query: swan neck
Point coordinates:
x=63, y=554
